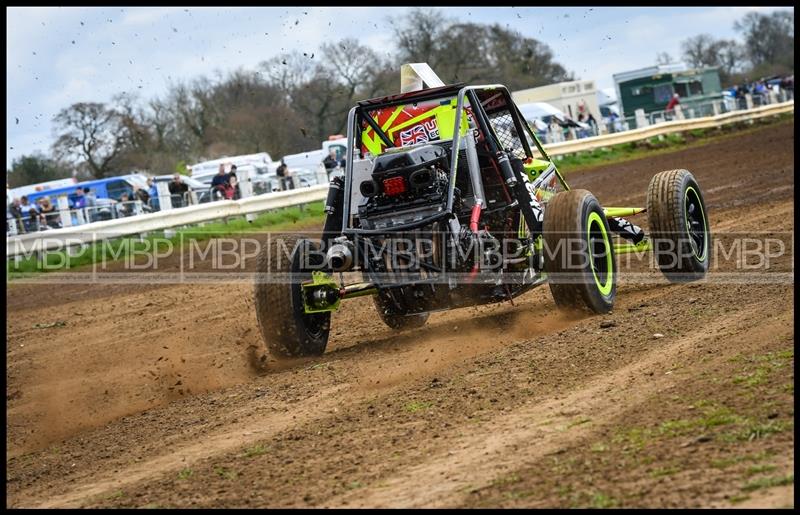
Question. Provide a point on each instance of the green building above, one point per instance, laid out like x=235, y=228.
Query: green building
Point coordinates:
x=651, y=88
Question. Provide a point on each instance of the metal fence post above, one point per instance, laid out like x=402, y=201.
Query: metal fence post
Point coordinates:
x=246, y=189
x=773, y=97
x=748, y=99
x=641, y=119
x=164, y=196
x=715, y=107
x=322, y=174
x=63, y=210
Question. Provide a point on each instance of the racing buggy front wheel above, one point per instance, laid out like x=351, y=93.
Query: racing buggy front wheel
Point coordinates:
x=679, y=228
x=287, y=330
x=579, y=255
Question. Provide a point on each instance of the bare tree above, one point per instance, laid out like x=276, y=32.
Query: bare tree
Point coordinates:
x=91, y=134
x=664, y=58
x=769, y=38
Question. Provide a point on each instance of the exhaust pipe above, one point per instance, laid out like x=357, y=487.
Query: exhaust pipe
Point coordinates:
x=340, y=256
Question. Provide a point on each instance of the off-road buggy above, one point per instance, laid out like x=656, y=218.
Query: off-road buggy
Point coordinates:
x=449, y=200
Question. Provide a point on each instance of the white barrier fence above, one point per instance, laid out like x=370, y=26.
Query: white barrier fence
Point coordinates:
x=618, y=138
x=55, y=239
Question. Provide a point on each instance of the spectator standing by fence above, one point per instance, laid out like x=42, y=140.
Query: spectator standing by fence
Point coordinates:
x=330, y=162
x=15, y=215
x=142, y=196
x=232, y=175
x=178, y=189
x=554, y=131
x=284, y=176
x=125, y=205
x=30, y=215
x=219, y=181
x=48, y=214
x=675, y=100
x=592, y=124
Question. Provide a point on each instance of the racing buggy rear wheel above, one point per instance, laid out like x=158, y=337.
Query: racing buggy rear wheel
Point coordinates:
x=287, y=330
x=678, y=222
x=395, y=316
x=579, y=255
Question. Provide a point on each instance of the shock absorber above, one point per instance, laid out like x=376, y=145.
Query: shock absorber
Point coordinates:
x=625, y=229
x=505, y=168
x=333, y=212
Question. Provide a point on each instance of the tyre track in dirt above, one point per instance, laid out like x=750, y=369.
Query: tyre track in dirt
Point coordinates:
x=475, y=461
x=123, y=428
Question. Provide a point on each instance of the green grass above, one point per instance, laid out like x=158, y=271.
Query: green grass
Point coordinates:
x=768, y=482
x=506, y=480
x=664, y=471
x=256, y=450
x=727, y=462
x=185, y=474
x=225, y=473
x=759, y=469
x=736, y=499
x=579, y=422
x=601, y=501
x=122, y=248
x=669, y=143
x=413, y=407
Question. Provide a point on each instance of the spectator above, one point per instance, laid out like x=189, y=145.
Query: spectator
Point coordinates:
x=582, y=133
x=592, y=123
x=124, y=206
x=87, y=199
x=221, y=178
x=152, y=190
x=48, y=215
x=232, y=174
x=675, y=100
x=141, y=195
x=616, y=125
x=229, y=188
x=178, y=189
x=331, y=162
x=581, y=108
x=284, y=176
x=79, y=202
x=30, y=215
x=554, y=130
x=15, y=214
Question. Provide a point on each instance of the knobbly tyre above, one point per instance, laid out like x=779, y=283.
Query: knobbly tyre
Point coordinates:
x=450, y=200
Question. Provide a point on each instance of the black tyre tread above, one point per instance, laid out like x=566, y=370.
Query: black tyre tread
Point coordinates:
x=274, y=307
x=396, y=321
x=563, y=215
x=666, y=218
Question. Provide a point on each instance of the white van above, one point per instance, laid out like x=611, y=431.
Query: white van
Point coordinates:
x=312, y=159
x=260, y=163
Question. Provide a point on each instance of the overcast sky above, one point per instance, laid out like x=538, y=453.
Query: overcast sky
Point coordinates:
x=57, y=56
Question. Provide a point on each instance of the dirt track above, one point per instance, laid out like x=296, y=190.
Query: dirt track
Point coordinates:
x=158, y=395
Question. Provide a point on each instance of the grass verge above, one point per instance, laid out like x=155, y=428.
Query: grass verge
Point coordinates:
x=122, y=248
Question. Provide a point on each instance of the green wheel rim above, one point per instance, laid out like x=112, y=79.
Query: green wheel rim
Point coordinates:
x=606, y=266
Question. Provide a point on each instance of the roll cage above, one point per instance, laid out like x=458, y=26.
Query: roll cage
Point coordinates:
x=488, y=118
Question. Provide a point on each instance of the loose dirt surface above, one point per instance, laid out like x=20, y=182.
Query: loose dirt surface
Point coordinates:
x=160, y=395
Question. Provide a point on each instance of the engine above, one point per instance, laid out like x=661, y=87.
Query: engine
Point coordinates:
x=405, y=185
